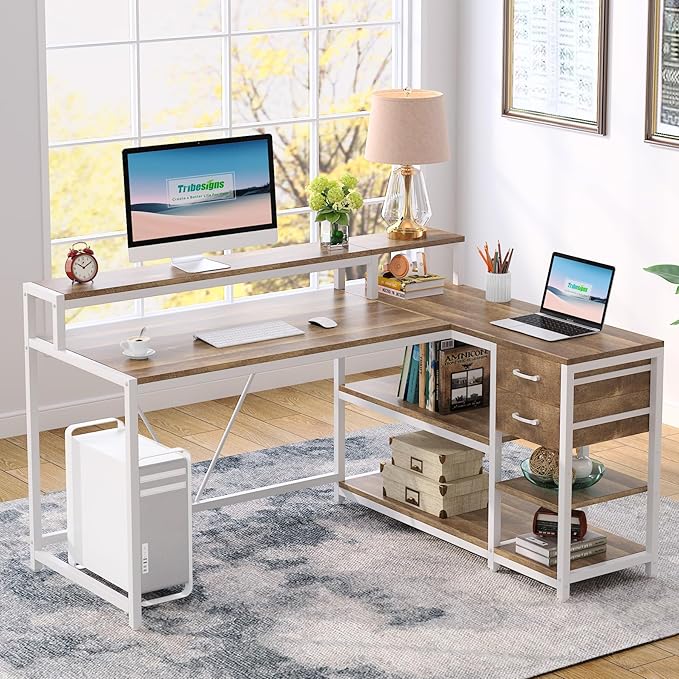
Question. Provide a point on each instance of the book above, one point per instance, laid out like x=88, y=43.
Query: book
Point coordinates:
x=431, y=391
x=405, y=369
x=410, y=294
x=412, y=282
x=412, y=393
x=464, y=376
x=422, y=376
x=546, y=546
x=551, y=561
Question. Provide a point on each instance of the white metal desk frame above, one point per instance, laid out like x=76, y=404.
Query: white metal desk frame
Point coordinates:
x=493, y=450
x=132, y=603
x=55, y=348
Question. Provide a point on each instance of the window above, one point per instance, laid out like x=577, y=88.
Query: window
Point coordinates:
x=140, y=72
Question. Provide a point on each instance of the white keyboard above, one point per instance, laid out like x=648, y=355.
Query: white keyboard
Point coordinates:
x=247, y=334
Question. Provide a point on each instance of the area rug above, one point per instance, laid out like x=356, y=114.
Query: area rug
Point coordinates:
x=297, y=587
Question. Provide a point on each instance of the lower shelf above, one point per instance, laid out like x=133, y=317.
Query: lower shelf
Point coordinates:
x=517, y=518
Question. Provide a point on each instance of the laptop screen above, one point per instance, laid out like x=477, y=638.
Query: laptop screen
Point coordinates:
x=578, y=289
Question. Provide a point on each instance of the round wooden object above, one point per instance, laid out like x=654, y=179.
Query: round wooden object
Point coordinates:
x=544, y=461
x=399, y=266
x=555, y=476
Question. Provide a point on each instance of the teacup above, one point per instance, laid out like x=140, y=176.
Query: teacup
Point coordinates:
x=137, y=346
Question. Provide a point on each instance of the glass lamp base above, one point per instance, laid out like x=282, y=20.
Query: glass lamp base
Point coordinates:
x=406, y=207
x=406, y=231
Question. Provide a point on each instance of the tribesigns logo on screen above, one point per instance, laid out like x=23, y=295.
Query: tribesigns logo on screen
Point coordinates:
x=578, y=288
x=201, y=189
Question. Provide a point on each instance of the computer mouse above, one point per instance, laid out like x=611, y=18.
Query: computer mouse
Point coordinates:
x=323, y=322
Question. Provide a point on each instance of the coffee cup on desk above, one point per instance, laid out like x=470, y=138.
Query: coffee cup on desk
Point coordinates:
x=136, y=346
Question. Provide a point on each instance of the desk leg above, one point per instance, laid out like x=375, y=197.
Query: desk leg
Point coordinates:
x=33, y=433
x=340, y=279
x=132, y=517
x=494, y=499
x=371, y=277
x=339, y=423
x=654, y=457
x=563, y=549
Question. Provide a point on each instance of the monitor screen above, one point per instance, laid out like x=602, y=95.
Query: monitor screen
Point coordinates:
x=578, y=289
x=199, y=189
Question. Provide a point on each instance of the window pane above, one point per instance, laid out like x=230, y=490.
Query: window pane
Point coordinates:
x=167, y=18
x=74, y=21
x=291, y=229
x=88, y=92
x=181, y=85
x=247, y=15
x=336, y=11
x=353, y=62
x=86, y=189
x=111, y=254
x=291, y=161
x=179, y=138
x=342, y=144
x=270, y=76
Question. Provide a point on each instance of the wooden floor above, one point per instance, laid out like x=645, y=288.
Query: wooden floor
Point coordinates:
x=293, y=414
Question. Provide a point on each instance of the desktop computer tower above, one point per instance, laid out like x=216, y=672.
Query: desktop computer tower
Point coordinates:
x=97, y=526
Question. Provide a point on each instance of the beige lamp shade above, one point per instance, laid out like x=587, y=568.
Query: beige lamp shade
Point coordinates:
x=407, y=127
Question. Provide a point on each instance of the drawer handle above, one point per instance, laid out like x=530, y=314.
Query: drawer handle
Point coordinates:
x=525, y=420
x=523, y=376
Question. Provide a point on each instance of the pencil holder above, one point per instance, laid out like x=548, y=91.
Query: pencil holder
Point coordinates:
x=498, y=287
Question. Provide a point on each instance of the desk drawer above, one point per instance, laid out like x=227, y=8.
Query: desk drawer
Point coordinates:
x=538, y=422
x=539, y=379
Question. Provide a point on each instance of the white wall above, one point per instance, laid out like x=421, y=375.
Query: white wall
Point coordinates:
x=540, y=189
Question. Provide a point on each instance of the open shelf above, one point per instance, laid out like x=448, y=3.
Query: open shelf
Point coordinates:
x=382, y=391
x=612, y=486
x=517, y=518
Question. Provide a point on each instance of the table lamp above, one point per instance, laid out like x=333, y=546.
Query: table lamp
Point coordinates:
x=407, y=128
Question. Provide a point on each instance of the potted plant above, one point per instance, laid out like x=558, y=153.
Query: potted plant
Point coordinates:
x=670, y=272
x=333, y=201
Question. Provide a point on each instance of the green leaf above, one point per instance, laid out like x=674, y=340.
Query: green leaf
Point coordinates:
x=333, y=217
x=670, y=272
x=324, y=211
x=677, y=290
x=675, y=323
x=343, y=219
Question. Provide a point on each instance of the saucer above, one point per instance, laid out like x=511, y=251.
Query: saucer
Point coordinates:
x=134, y=357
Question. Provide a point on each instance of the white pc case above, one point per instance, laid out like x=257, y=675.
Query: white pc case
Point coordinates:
x=97, y=527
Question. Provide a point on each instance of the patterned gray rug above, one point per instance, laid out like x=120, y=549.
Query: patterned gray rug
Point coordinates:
x=296, y=587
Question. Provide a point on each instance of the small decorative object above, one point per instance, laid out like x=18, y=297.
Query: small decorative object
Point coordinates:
x=555, y=476
x=582, y=465
x=543, y=481
x=555, y=62
x=498, y=278
x=399, y=266
x=81, y=266
x=670, y=272
x=407, y=128
x=333, y=202
x=546, y=522
x=662, y=84
x=544, y=462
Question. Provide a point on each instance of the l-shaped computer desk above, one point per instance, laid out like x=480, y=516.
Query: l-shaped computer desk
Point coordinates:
x=561, y=395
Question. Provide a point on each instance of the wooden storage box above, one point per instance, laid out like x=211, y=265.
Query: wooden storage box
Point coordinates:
x=433, y=457
x=440, y=499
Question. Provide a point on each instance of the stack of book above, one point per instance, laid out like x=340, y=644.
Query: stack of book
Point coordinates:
x=445, y=376
x=434, y=475
x=411, y=286
x=543, y=549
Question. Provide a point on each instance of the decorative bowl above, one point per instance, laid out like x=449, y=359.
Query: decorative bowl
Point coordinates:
x=598, y=470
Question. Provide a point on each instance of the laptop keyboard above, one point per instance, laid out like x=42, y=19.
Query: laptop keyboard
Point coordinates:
x=552, y=324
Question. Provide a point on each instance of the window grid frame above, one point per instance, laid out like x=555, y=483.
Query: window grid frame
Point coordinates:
x=401, y=59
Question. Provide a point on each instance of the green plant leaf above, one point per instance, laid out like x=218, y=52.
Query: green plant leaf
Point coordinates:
x=332, y=217
x=343, y=219
x=675, y=323
x=677, y=290
x=670, y=272
x=324, y=211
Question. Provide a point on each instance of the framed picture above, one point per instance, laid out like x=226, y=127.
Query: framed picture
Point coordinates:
x=555, y=62
x=662, y=88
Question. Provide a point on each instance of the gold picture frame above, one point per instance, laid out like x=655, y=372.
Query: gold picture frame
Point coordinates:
x=584, y=85
x=662, y=84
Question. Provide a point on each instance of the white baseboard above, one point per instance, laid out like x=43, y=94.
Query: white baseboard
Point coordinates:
x=157, y=396
x=670, y=413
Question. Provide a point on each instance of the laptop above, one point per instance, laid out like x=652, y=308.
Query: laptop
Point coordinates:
x=574, y=302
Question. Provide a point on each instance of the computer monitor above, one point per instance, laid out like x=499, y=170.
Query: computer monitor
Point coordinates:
x=183, y=200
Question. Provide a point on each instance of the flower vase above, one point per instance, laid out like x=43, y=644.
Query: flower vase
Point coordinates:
x=333, y=236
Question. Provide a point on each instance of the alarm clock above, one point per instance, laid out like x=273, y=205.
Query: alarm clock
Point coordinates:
x=81, y=266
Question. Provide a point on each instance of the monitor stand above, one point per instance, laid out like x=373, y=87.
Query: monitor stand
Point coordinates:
x=198, y=264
